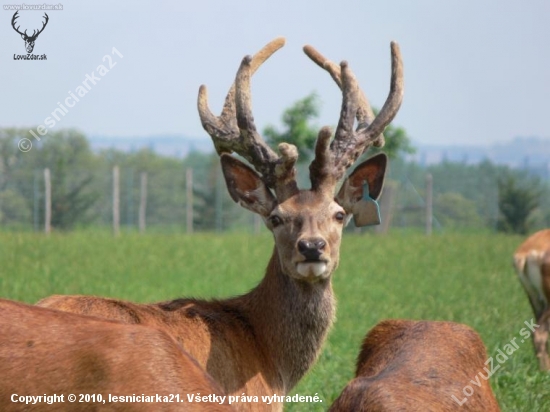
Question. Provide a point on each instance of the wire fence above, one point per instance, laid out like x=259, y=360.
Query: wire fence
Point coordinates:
x=186, y=201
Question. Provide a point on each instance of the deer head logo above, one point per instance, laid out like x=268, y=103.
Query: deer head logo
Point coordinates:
x=29, y=40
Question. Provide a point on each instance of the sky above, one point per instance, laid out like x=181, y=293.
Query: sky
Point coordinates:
x=476, y=72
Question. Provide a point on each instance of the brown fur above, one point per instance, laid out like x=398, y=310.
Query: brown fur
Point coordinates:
x=260, y=343
x=44, y=351
x=533, y=256
x=417, y=366
x=263, y=342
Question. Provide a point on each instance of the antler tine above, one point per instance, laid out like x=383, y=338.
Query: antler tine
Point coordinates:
x=320, y=168
x=347, y=145
x=365, y=114
x=277, y=172
x=234, y=130
x=253, y=148
x=228, y=112
x=223, y=129
x=394, y=99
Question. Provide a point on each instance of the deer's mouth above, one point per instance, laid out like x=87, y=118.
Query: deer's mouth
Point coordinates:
x=312, y=268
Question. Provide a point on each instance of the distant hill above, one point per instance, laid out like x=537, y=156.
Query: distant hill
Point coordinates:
x=519, y=152
x=167, y=145
x=522, y=152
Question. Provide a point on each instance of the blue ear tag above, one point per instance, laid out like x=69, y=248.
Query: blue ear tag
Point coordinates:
x=366, y=212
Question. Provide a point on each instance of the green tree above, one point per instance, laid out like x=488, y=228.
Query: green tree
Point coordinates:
x=14, y=210
x=206, y=206
x=213, y=210
x=516, y=201
x=72, y=164
x=11, y=158
x=397, y=143
x=298, y=129
x=165, y=187
x=453, y=210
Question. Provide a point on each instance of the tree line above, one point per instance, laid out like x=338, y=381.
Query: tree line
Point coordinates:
x=481, y=196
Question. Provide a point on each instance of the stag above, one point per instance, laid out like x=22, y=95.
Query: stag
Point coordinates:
x=263, y=342
x=29, y=40
x=532, y=264
x=45, y=352
x=419, y=366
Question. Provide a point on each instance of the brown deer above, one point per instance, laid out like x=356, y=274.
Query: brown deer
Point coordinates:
x=419, y=366
x=532, y=263
x=263, y=342
x=45, y=352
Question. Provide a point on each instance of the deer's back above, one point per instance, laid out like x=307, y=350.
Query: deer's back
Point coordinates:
x=216, y=334
x=418, y=366
x=45, y=351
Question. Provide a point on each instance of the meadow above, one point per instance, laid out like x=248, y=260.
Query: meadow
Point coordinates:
x=466, y=278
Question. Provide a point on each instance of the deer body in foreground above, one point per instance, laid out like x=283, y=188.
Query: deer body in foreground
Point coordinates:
x=418, y=366
x=532, y=263
x=47, y=352
x=263, y=342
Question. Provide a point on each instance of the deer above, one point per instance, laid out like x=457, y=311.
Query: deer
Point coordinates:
x=46, y=352
x=263, y=342
x=423, y=366
x=29, y=40
x=532, y=264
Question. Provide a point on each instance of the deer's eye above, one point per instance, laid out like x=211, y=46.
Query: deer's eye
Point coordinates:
x=340, y=216
x=275, y=220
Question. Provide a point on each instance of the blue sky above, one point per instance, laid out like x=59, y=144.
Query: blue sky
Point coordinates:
x=476, y=72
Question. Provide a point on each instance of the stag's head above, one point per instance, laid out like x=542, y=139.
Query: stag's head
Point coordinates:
x=29, y=40
x=307, y=224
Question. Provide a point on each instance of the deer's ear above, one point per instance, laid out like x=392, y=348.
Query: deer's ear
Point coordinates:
x=246, y=187
x=360, y=190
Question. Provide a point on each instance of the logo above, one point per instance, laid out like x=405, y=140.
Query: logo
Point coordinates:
x=29, y=40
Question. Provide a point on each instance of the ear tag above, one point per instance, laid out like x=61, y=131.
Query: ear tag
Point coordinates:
x=366, y=212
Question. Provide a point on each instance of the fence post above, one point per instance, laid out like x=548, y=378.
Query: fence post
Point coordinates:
x=386, y=202
x=429, y=204
x=189, y=199
x=257, y=224
x=48, y=200
x=142, y=202
x=219, y=200
x=36, y=196
x=116, y=201
x=130, y=199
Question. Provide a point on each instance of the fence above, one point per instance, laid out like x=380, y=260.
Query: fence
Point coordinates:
x=187, y=200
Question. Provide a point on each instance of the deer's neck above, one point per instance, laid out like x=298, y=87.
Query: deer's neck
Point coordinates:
x=291, y=318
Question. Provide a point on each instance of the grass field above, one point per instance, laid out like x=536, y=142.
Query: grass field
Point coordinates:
x=463, y=278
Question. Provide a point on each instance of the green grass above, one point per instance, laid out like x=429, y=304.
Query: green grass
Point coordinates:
x=463, y=278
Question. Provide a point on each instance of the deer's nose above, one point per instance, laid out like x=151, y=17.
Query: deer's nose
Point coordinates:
x=311, y=249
